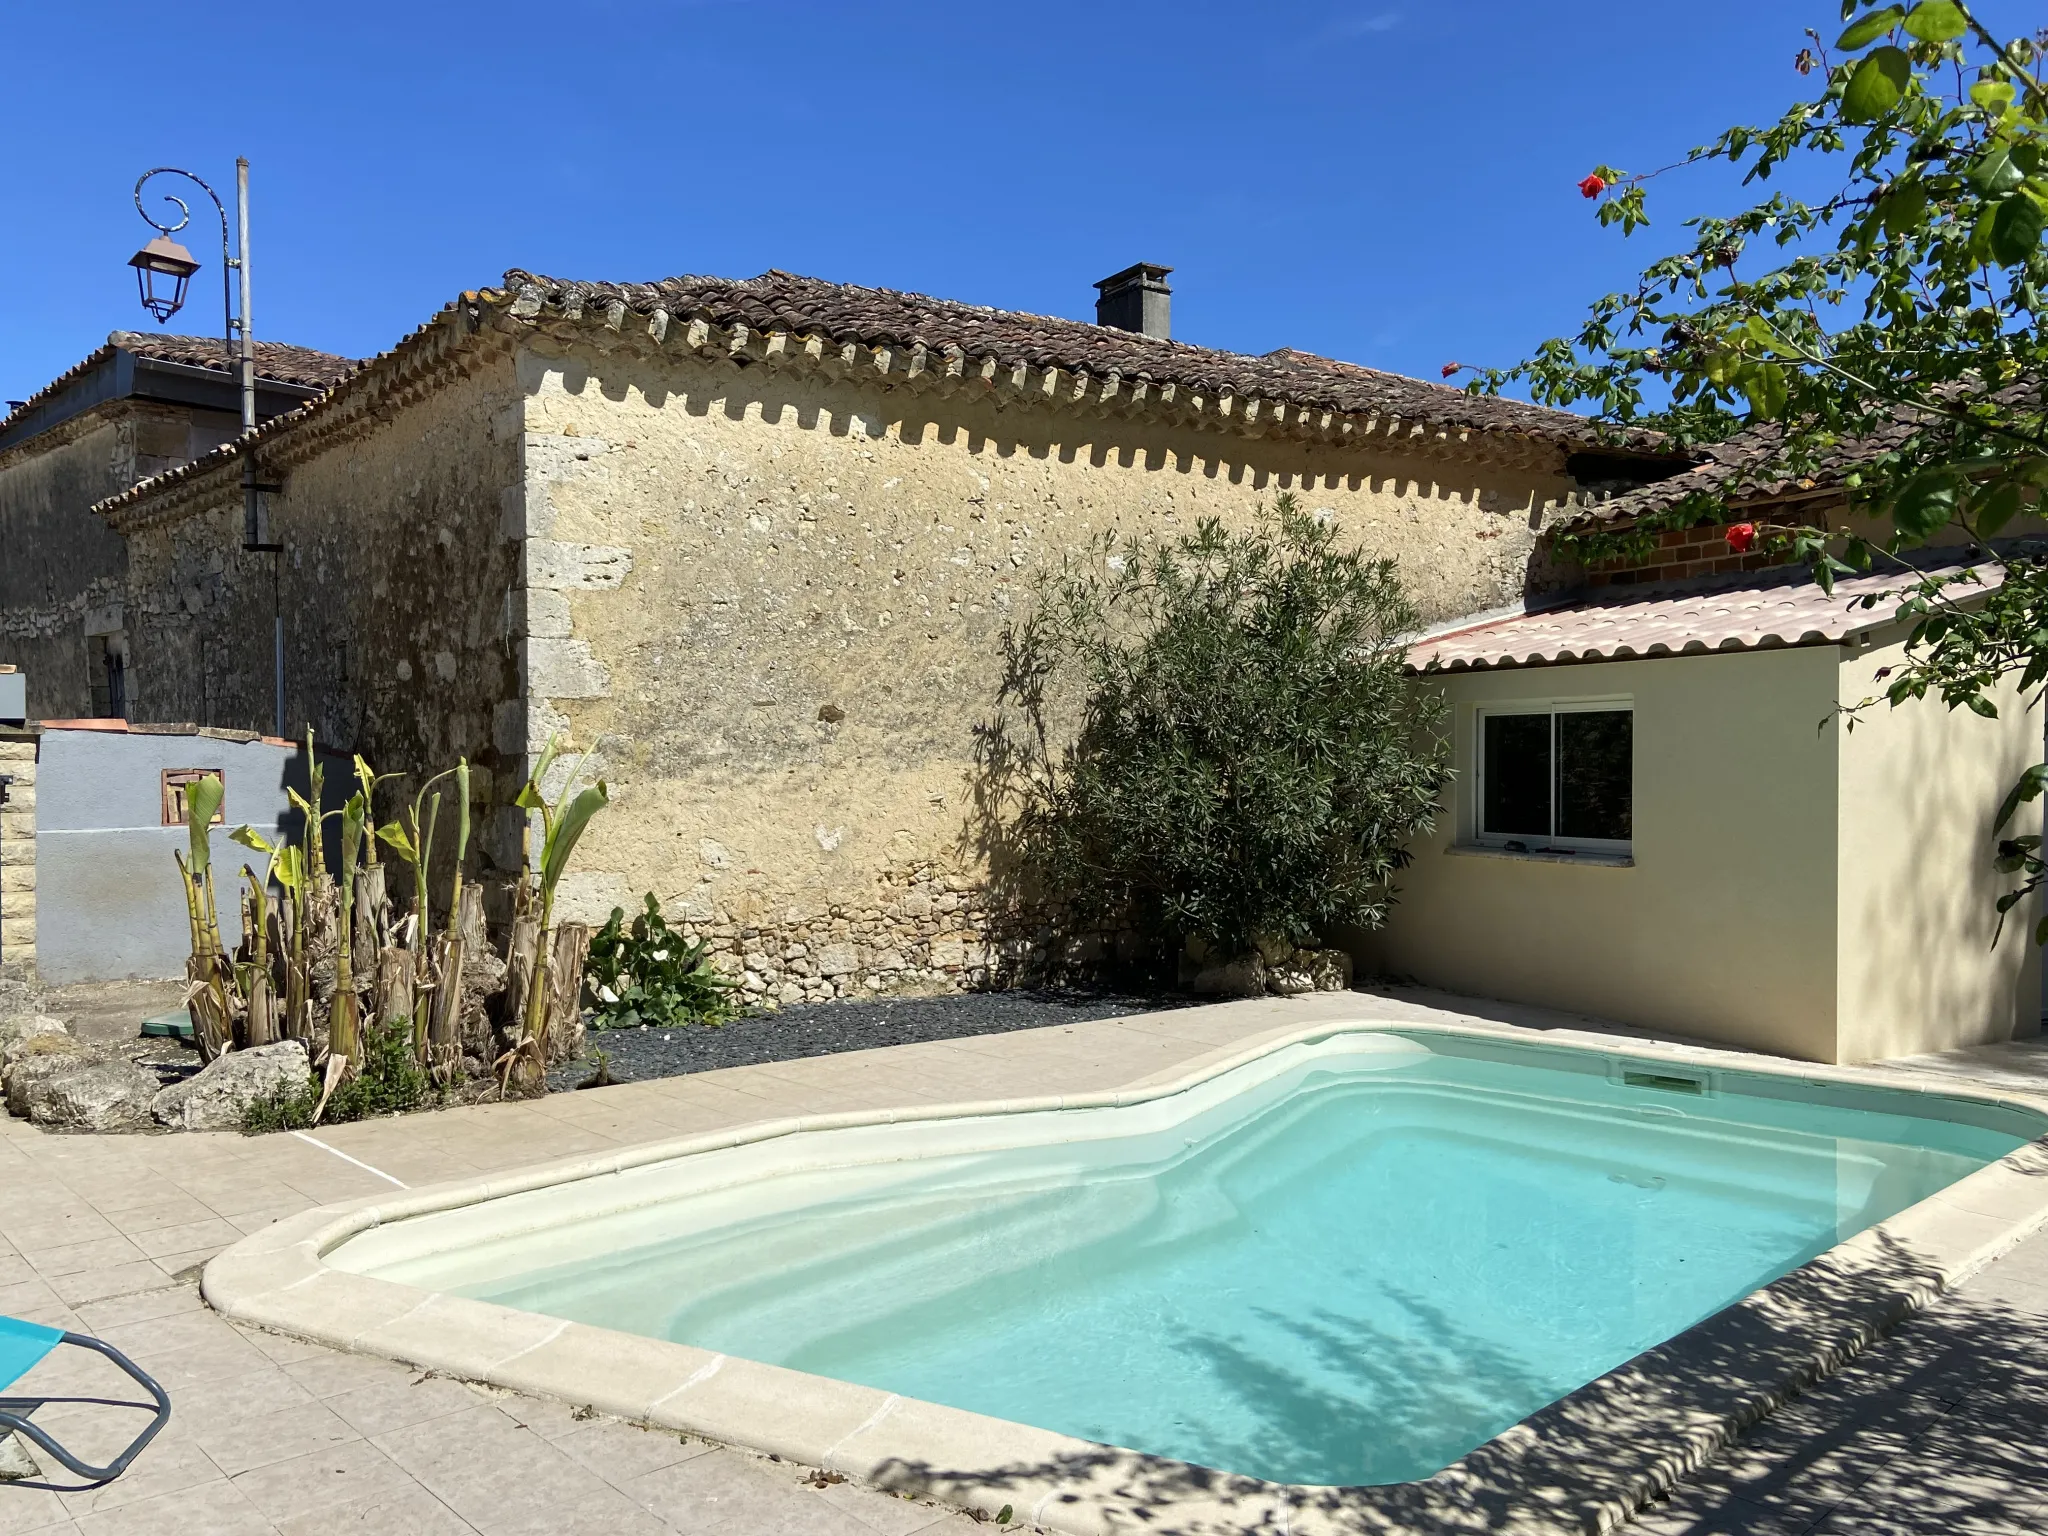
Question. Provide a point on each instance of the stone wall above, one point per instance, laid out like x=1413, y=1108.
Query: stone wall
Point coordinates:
x=395, y=584
x=63, y=568
x=772, y=600
x=18, y=855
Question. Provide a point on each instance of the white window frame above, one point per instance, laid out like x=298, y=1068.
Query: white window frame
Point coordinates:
x=1481, y=838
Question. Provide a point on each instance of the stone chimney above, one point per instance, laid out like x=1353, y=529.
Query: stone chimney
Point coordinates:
x=1136, y=299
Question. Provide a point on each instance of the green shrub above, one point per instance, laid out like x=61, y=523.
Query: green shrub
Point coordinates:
x=391, y=1082
x=1247, y=758
x=647, y=973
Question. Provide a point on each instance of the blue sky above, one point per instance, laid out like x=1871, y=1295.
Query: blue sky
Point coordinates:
x=1391, y=182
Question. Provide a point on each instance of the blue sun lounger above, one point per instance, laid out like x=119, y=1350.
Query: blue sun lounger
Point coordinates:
x=22, y=1348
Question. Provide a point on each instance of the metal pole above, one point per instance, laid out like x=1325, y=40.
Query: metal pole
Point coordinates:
x=248, y=332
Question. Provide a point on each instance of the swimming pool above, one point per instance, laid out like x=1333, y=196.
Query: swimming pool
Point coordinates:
x=1350, y=1261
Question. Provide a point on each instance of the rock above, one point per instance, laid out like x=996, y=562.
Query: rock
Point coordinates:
x=16, y=1032
x=33, y=1059
x=837, y=960
x=217, y=1098
x=1331, y=968
x=1273, y=951
x=1290, y=979
x=15, y=1461
x=85, y=1095
x=1240, y=978
x=17, y=996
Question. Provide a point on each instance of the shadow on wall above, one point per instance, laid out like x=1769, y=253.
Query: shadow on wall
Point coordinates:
x=1012, y=430
x=1920, y=791
x=1960, y=1376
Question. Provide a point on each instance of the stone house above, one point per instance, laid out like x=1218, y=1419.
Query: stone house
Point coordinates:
x=139, y=405
x=753, y=544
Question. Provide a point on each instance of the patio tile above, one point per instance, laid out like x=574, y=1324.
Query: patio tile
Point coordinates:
x=212, y=1509
x=95, y=1253
x=210, y=1232
x=880, y=1512
x=409, y=1512
x=250, y=1442
x=726, y=1491
x=344, y=1473
x=112, y=1280
x=396, y=1404
x=618, y=1452
x=141, y=1306
x=504, y=1479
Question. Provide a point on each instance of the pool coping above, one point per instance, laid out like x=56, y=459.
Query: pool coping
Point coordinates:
x=1583, y=1464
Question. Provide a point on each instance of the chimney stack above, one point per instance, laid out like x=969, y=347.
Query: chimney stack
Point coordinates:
x=1136, y=299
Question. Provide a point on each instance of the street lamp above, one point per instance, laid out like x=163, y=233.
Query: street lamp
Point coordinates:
x=163, y=258
x=162, y=269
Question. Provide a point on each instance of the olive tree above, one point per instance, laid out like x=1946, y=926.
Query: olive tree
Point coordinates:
x=1243, y=758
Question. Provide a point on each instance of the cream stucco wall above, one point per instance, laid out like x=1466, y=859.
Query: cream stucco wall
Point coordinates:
x=1795, y=887
x=1723, y=927
x=1921, y=787
x=773, y=599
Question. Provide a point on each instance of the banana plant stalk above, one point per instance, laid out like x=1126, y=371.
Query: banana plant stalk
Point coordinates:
x=562, y=824
x=206, y=997
x=344, y=1019
x=287, y=871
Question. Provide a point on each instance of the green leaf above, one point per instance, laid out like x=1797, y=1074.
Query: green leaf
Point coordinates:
x=567, y=829
x=1761, y=335
x=393, y=835
x=2016, y=230
x=1997, y=508
x=1936, y=21
x=1904, y=209
x=2030, y=785
x=249, y=837
x=1877, y=85
x=1870, y=28
x=1995, y=173
x=202, y=804
x=461, y=811
x=1992, y=95
x=1765, y=388
x=1926, y=503
x=1981, y=706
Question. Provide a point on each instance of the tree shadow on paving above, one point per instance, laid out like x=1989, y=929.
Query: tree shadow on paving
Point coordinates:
x=1964, y=1385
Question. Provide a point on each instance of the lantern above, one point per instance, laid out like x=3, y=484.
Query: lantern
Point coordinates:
x=162, y=269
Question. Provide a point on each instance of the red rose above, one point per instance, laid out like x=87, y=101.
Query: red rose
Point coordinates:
x=1741, y=536
x=1592, y=186
x=1451, y=368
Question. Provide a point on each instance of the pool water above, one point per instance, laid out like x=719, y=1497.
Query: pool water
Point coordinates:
x=1355, y=1274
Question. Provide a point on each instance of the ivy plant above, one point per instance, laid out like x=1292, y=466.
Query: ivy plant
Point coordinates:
x=644, y=972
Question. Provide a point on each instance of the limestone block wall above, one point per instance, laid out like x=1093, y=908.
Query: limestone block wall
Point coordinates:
x=396, y=583
x=772, y=600
x=18, y=855
x=62, y=569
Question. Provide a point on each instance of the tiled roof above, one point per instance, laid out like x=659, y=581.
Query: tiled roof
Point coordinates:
x=1784, y=607
x=1747, y=468
x=275, y=360
x=842, y=312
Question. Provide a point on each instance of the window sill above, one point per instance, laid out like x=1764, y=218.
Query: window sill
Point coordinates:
x=1600, y=860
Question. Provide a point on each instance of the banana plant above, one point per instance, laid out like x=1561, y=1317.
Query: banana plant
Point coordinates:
x=207, y=998
x=286, y=870
x=344, y=1018
x=562, y=823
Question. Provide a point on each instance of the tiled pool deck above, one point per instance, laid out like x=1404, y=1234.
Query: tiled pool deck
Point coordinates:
x=1934, y=1430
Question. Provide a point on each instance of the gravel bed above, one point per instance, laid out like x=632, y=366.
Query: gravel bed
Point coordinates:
x=822, y=1029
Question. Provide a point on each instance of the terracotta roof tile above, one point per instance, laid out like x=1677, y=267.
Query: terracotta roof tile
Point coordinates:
x=275, y=360
x=1784, y=607
x=840, y=312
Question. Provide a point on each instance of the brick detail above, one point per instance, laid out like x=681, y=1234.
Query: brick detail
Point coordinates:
x=1681, y=553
